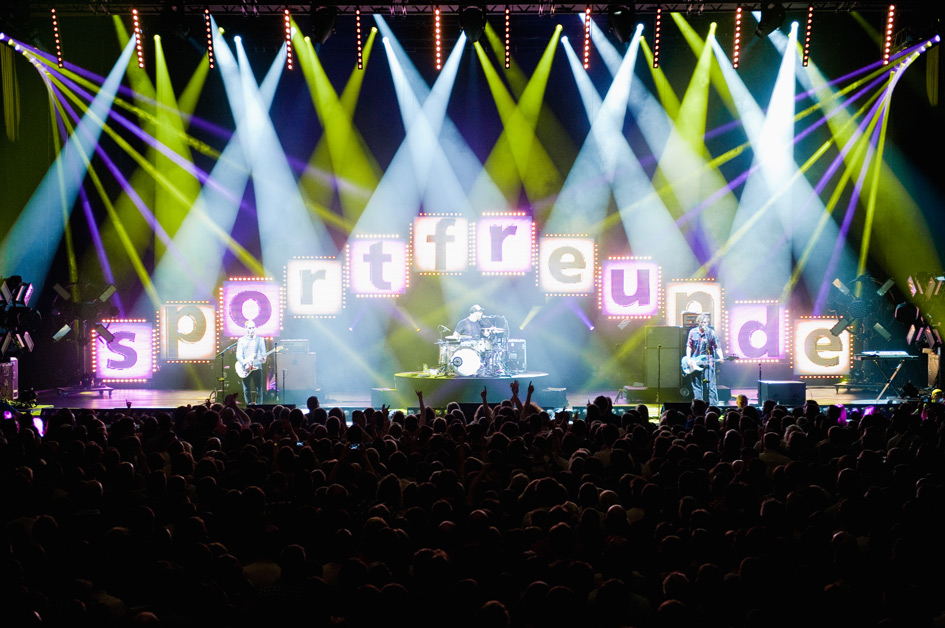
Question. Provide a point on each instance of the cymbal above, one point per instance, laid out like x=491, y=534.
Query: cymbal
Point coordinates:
x=455, y=337
x=493, y=330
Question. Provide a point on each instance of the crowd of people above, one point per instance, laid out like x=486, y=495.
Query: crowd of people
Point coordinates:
x=499, y=515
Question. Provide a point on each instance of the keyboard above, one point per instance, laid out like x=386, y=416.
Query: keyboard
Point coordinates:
x=885, y=355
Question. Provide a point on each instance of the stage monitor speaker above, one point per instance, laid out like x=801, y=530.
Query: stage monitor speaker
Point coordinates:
x=299, y=371
x=663, y=368
x=9, y=380
x=790, y=394
x=516, y=357
x=666, y=336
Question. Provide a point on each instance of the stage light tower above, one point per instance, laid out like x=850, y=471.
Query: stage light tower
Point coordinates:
x=438, y=38
x=807, y=35
x=587, y=36
x=508, y=35
x=208, y=23
x=55, y=24
x=890, y=22
x=737, y=47
x=357, y=23
x=136, y=20
x=657, y=35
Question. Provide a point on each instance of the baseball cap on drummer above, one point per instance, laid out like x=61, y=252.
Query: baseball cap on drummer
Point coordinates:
x=474, y=309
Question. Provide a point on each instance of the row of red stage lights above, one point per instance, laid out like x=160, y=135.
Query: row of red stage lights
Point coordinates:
x=438, y=37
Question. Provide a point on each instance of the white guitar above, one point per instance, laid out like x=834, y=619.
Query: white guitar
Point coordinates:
x=245, y=369
x=699, y=362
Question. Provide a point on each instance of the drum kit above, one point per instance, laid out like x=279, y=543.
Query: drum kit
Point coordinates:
x=486, y=356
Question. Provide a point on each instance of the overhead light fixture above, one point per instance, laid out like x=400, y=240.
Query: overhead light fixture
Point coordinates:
x=508, y=37
x=861, y=305
x=587, y=37
x=6, y=290
x=103, y=333
x=139, y=47
x=62, y=333
x=438, y=38
x=81, y=315
x=287, y=27
x=890, y=23
x=357, y=22
x=323, y=23
x=772, y=18
x=737, y=44
x=23, y=294
x=56, y=39
x=620, y=18
x=15, y=291
x=810, y=26
x=207, y=22
x=473, y=22
x=657, y=35
x=17, y=319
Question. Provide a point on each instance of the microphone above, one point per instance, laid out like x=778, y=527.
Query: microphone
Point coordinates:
x=443, y=328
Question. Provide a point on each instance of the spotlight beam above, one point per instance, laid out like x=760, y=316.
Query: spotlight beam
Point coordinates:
x=519, y=159
x=341, y=151
x=278, y=200
x=31, y=242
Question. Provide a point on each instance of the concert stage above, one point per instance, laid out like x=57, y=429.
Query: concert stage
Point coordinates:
x=438, y=390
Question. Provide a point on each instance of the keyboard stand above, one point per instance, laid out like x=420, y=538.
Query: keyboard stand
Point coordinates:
x=890, y=378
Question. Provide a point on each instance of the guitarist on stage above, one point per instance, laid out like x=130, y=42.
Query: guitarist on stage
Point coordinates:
x=703, y=351
x=251, y=355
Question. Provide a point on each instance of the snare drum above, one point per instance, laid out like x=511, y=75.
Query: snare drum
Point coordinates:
x=466, y=361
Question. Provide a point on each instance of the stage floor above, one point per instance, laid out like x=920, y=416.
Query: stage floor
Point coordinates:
x=148, y=398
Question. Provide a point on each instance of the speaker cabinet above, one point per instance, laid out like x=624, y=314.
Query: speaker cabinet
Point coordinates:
x=516, y=358
x=667, y=337
x=663, y=367
x=790, y=394
x=299, y=371
x=295, y=345
x=9, y=379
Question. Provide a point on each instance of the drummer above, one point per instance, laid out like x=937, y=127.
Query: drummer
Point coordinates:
x=471, y=326
x=476, y=326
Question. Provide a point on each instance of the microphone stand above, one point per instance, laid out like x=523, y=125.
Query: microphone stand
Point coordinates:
x=275, y=359
x=760, y=400
x=222, y=391
x=659, y=367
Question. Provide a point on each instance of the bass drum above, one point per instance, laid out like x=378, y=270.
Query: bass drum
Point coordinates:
x=466, y=361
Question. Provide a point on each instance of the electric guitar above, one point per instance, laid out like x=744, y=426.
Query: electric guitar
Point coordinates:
x=243, y=369
x=699, y=362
